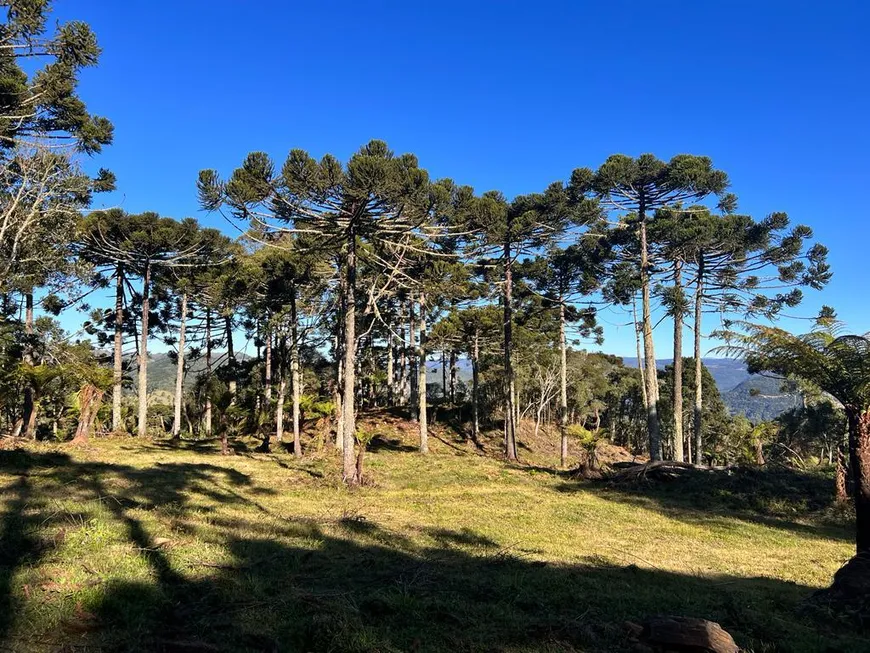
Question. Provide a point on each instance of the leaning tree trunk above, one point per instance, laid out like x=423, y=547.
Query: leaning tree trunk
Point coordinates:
x=143, y=353
x=295, y=375
x=678, y=365
x=348, y=408
x=30, y=406
x=90, y=397
x=699, y=380
x=650, y=369
x=421, y=382
x=510, y=433
x=563, y=388
x=118, y=355
x=179, y=372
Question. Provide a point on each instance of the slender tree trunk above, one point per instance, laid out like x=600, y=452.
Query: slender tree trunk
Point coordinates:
x=678, y=366
x=510, y=382
x=30, y=406
x=475, y=388
x=421, y=383
x=232, y=384
x=267, y=380
x=208, y=410
x=640, y=365
x=444, y=375
x=296, y=376
x=391, y=381
x=563, y=388
x=143, y=353
x=453, y=376
x=339, y=384
x=859, y=461
x=282, y=392
x=652, y=383
x=412, y=357
x=118, y=355
x=699, y=385
x=179, y=372
x=350, y=474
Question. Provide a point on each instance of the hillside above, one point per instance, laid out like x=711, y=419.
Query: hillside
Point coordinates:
x=136, y=545
x=760, y=398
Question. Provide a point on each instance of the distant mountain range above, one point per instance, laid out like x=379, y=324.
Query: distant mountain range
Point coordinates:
x=757, y=397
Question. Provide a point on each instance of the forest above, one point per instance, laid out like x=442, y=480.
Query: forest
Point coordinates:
x=357, y=323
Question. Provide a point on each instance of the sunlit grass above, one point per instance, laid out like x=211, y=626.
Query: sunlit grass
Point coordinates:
x=136, y=545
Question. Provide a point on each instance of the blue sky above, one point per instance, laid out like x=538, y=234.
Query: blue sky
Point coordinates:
x=504, y=95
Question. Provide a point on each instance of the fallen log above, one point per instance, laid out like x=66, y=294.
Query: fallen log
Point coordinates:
x=683, y=635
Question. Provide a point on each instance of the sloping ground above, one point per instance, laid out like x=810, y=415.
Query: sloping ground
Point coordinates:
x=129, y=545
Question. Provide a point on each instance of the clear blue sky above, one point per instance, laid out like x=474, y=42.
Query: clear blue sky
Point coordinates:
x=505, y=95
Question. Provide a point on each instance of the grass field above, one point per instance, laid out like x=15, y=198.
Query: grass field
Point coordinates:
x=131, y=545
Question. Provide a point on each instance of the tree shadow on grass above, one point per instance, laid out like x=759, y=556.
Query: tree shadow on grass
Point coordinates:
x=800, y=502
x=353, y=585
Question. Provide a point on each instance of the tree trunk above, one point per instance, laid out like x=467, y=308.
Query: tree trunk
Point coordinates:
x=678, y=367
x=453, y=376
x=295, y=375
x=412, y=358
x=510, y=383
x=348, y=404
x=640, y=365
x=859, y=461
x=208, y=372
x=118, y=355
x=421, y=382
x=443, y=375
x=90, y=398
x=30, y=407
x=267, y=379
x=650, y=369
x=391, y=353
x=232, y=384
x=142, y=429
x=842, y=491
x=179, y=372
x=563, y=388
x=337, y=388
x=282, y=393
x=699, y=380
x=475, y=388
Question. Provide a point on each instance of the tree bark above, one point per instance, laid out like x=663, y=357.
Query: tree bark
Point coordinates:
x=650, y=369
x=421, y=382
x=30, y=410
x=282, y=392
x=90, y=398
x=391, y=381
x=678, y=367
x=232, y=384
x=179, y=372
x=640, y=365
x=563, y=387
x=453, y=376
x=208, y=410
x=142, y=429
x=267, y=379
x=699, y=381
x=295, y=376
x=443, y=375
x=510, y=383
x=351, y=477
x=412, y=358
x=118, y=355
x=859, y=461
x=475, y=387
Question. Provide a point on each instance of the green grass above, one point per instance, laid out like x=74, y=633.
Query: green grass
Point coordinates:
x=129, y=545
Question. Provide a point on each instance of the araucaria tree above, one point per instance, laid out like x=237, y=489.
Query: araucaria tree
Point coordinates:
x=634, y=189
x=375, y=198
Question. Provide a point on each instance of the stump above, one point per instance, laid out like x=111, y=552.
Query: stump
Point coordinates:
x=682, y=635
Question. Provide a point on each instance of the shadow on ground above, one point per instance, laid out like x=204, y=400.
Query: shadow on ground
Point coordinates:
x=783, y=499
x=353, y=585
